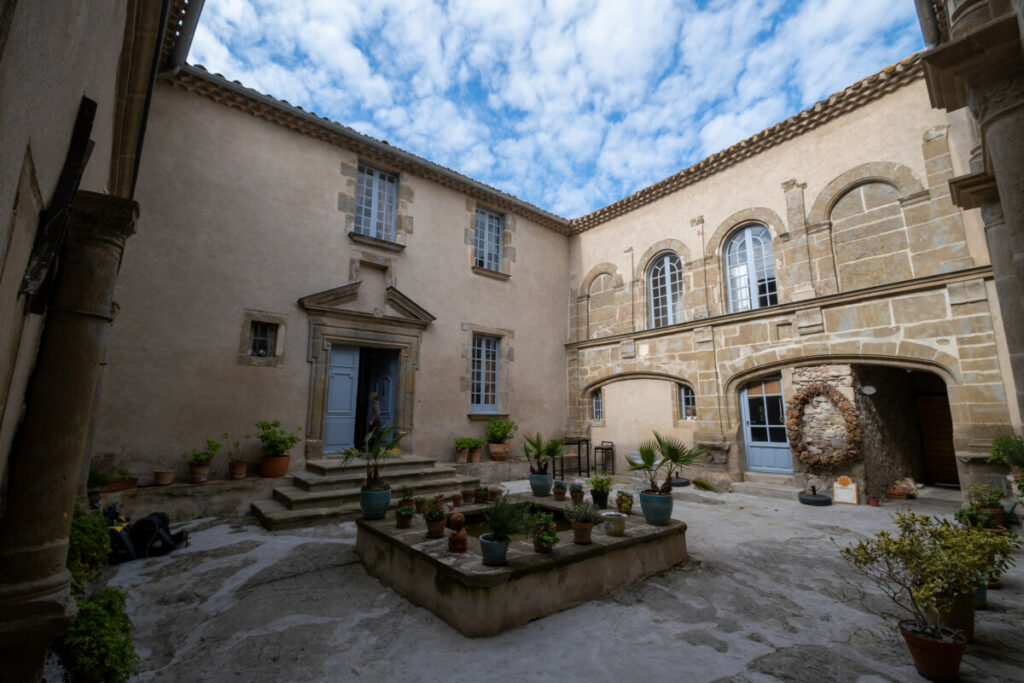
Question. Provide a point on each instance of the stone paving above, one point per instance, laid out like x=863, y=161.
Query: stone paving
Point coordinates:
x=762, y=600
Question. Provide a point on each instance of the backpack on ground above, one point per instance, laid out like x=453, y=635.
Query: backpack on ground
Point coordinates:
x=151, y=536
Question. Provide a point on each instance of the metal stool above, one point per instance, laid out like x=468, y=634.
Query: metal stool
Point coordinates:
x=606, y=451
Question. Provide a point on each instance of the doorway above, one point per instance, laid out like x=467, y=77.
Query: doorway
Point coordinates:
x=764, y=426
x=354, y=373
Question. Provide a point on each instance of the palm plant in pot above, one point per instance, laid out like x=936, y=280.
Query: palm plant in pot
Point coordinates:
x=661, y=455
x=540, y=455
x=926, y=568
x=504, y=519
x=199, y=461
x=375, y=494
x=499, y=431
x=274, y=445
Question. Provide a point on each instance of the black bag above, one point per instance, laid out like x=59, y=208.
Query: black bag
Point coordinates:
x=151, y=536
x=121, y=548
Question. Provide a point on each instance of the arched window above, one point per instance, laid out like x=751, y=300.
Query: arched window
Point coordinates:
x=750, y=269
x=687, y=403
x=665, y=290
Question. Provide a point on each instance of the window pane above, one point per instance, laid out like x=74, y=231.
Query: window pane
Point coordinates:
x=487, y=241
x=777, y=434
x=756, y=409
x=775, y=416
x=665, y=291
x=758, y=434
x=751, y=266
x=484, y=381
x=376, y=199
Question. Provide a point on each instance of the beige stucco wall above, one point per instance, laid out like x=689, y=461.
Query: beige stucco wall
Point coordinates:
x=244, y=215
x=55, y=54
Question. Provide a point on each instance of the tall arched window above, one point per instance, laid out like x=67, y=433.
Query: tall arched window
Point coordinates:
x=750, y=269
x=665, y=290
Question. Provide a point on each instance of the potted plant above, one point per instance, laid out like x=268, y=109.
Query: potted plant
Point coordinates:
x=583, y=517
x=199, y=461
x=435, y=519
x=499, y=431
x=456, y=499
x=481, y=494
x=468, y=496
x=504, y=519
x=623, y=502
x=925, y=568
x=1008, y=449
x=274, y=445
x=237, y=467
x=540, y=454
x=614, y=523
x=600, y=486
x=559, y=489
x=421, y=504
x=662, y=454
x=163, y=477
x=988, y=501
x=494, y=492
x=543, y=531
x=406, y=496
x=576, y=491
x=404, y=515
x=375, y=494
x=468, y=449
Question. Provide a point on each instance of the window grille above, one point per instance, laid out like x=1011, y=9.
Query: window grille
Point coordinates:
x=262, y=339
x=484, y=386
x=489, y=226
x=687, y=403
x=376, y=198
x=750, y=266
x=665, y=288
x=597, y=405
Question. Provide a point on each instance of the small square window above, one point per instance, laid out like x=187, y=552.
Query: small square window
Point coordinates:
x=263, y=339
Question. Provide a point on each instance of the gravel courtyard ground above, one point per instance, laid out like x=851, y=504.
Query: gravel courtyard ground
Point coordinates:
x=761, y=600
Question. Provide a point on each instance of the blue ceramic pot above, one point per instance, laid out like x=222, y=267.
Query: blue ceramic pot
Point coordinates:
x=493, y=551
x=374, y=504
x=541, y=484
x=657, y=509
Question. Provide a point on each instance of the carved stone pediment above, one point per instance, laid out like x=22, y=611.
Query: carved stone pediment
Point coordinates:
x=347, y=301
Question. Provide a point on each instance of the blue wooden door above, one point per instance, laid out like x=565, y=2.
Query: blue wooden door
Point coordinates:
x=764, y=426
x=382, y=380
x=342, y=388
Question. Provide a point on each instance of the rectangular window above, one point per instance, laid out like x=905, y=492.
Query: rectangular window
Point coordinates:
x=262, y=339
x=489, y=226
x=484, y=389
x=687, y=403
x=597, y=405
x=376, y=198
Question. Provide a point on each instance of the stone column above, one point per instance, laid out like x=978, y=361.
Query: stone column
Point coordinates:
x=45, y=461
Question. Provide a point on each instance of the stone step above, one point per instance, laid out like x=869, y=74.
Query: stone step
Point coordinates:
x=781, y=492
x=772, y=479
x=295, y=497
x=409, y=475
x=330, y=466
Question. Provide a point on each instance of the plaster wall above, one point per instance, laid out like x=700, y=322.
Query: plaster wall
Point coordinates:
x=245, y=215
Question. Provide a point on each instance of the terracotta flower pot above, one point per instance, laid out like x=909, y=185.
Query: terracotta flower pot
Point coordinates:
x=461, y=455
x=498, y=451
x=581, y=532
x=456, y=499
x=559, y=494
x=467, y=496
x=274, y=465
x=403, y=521
x=436, y=529
x=998, y=514
x=537, y=547
x=198, y=472
x=577, y=496
x=494, y=492
x=163, y=477
x=933, y=658
x=474, y=454
x=238, y=469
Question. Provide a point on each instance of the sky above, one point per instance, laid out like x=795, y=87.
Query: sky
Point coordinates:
x=567, y=104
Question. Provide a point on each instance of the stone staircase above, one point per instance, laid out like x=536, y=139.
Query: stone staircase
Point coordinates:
x=778, y=486
x=328, y=490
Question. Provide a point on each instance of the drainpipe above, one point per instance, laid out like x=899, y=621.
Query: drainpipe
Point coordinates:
x=929, y=22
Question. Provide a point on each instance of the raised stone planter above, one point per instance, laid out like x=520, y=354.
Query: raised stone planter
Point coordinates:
x=478, y=600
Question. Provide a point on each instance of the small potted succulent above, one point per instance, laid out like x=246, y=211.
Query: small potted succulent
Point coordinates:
x=927, y=568
x=435, y=519
x=540, y=454
x=543, y=531
x=623, y=502
x=199, y=461
x=237, y=467
x=406, y=496
x=274, y=445
x=499, y=431
x=600, y=487
x=375, y=494
x=404, y=515
x=467, y=449
x=576, y=491
x=504, y=519
x=559, y=489
x=583, y=517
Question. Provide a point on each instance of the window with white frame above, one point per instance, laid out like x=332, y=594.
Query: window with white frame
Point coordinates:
x=687, y=403
x=597, y=405
x=665, y=290
x=750, y=269
x=376, y=199
x=484, y=380
x=487, y=242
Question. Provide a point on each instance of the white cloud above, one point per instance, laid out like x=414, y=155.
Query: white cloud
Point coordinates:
x=567, y=104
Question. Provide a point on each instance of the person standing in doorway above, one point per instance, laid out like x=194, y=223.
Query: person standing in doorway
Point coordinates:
x=373, y=417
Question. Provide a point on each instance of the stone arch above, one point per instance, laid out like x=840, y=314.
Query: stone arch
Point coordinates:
x=626, y=376
x=755, y=214
x=673, y=245
x=890, y=173
x=604, y=268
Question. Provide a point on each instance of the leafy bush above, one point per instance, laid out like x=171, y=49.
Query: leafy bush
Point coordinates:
x=98, y=647
x=275, y=441
x=583, y=513
x=204, y=455
x=99, y=477
x=985, y=496
x=465, y=442
x=505, y=518
x=1007, y=449
x=88, y=547
x=601, y=482
x=405, y=511
x=542, y=529
x=500, y=430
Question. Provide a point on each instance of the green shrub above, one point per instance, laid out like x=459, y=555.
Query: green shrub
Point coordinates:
x=98, y=647
x=1007, y=449
x=275, y=441
x=88, y=547
x=205, y=454
x=500, y=429
x=466, y=442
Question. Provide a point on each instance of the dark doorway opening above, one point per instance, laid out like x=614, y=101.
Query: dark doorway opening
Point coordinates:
x=378, y=370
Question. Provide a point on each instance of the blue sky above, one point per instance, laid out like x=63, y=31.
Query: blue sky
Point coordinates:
x=567, y=104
